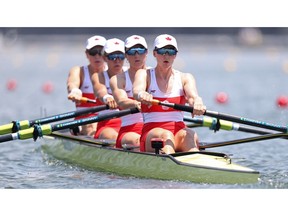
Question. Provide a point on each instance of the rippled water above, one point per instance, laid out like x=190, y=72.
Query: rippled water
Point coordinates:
x=252, y=77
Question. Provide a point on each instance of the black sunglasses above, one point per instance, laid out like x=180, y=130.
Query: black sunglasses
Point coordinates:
x=133, y=51
x=163, y=51
x=94, y=52
x=114, y=57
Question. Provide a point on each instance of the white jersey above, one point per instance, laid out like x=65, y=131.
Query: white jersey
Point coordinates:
x=107, y=84
x=87, y=90
x=136, y=117
x=158, y=113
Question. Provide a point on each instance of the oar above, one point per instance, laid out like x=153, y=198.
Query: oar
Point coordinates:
x=46, y=129
x=223, y=116
x=20, y=125
x=215, y=124
x=245, y=140
x=87, y=100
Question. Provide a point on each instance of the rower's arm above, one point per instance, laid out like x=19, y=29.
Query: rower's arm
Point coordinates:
x=117, y=84
x=140, y=83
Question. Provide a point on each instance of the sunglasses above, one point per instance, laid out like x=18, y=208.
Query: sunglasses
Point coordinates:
x=113, y=57
x=94, y=52
x=163, y=51
x=133, y=51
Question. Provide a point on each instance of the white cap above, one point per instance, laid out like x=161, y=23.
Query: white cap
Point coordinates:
x=95, y=41
x=164, y=40
x=113, y=45
x=135, y=39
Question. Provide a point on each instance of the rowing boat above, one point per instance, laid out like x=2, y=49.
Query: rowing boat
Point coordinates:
x=199, y=167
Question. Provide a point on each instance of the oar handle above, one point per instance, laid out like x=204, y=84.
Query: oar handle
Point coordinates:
x=173, y=105
x=87, y=100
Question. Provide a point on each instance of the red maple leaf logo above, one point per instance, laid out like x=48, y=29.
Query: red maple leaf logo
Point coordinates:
x=136, y=38
x=168, y=38
x=116, y=43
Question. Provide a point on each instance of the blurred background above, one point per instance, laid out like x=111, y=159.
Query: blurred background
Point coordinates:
x=234, y=67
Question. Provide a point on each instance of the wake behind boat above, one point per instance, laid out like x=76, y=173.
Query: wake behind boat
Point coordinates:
x=198, y=167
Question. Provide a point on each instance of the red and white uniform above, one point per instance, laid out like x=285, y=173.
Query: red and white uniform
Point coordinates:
x=115, y=122
x=133, y=122
x=88, y=92
x=162, y=116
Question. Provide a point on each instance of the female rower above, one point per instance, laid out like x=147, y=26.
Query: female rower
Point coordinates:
x=114, y=55
x=121, y=85
x=165, y=83
x=79, y=81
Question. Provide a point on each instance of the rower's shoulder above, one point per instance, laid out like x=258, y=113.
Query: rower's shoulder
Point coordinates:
x=76, y=69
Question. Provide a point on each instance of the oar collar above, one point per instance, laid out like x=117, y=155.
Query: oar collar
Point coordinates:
x=16, y=126
x=37, y=132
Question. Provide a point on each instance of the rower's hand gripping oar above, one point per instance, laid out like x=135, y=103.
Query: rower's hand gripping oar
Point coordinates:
x=223, y=116
x=24, y=124
x=40, y=130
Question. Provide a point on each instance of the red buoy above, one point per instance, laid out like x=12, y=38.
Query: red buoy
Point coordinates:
x=222, y=97
x=282, y=101
x=11, y=84
x=47, y=87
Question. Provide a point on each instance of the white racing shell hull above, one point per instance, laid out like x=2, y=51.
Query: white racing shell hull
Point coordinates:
x=198, y=167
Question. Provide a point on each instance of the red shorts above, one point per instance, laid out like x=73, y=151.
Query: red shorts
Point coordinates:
x=112, y=123
x=174, y=127
x=137, y=128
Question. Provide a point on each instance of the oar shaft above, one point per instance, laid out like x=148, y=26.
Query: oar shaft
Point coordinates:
x=68, y=115
x=40, y=130
x=100, y=117
x=22, y=134
x=20, y=125
x=245, y=140
x=194, y=120
x=6, y=137
x=14, y=126
x=227, y=117
x=225, y=125
x=247, y=121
